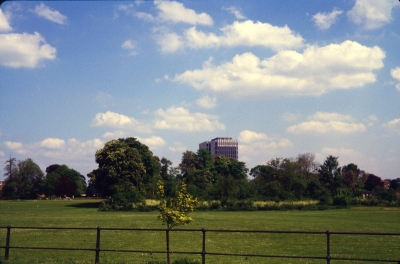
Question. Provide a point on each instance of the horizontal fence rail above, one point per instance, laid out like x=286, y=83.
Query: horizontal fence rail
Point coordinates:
x=328, y=258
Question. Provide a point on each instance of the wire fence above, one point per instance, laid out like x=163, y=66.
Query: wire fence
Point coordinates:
x=203, y=253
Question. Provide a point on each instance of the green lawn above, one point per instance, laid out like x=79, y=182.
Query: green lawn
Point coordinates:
x=84, y=213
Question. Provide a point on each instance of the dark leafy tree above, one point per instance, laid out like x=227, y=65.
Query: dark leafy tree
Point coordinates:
x=63, y=181
x=125, y=167
x=25, y=181
x=352, y=179
x=372, y=182
x=91, y=191
x=306, y=164
x=10, y=168
x=52, y=168
x=395, y=184
x=330, y=175
x=168, y=178
x=188, y=166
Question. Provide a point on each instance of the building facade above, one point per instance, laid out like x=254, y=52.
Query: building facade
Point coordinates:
x=222, y=146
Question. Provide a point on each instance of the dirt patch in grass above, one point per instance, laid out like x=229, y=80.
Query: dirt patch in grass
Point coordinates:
x=391, y=208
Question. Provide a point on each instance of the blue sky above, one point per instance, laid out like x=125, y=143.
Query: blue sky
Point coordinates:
x=281, y=77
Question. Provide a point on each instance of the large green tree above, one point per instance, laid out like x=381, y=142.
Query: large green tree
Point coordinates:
x=330, y=175
x=209, y=177
x=64, y=181
x=306, y=164
x=125, y=165
x=280, y=179
x=25, y=180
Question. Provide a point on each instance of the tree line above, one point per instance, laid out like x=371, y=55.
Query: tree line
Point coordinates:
x=128, y=172
x=25, y=180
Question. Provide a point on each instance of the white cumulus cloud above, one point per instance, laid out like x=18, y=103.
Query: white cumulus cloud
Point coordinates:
x=323, y=123
x=396, y=75
x=4, y=23
x=314, y=72
x=325, y=20
x=178, y=147
x=328, y=116
x=111, y=119
x=115, y=134
x=122, y=123
x=177, y=12
x=53, y=143
x=153, y=142
x=179, y=118
x=79, y=155
x=130, y=45
x=257, y=147
x=207, y=102
x=291, y=116
x=393, y=125
x=372, y=14
x=246, y=33
x=13, y=145
x=24, y=50
x=236, y=11
x=169, y=42
x=53, y=15
x=247, y=137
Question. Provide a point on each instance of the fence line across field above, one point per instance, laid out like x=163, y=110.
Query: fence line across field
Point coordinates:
x=203, y=253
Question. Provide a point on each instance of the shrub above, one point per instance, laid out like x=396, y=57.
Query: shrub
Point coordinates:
x=121, y=201
x=368, y=201
x=325, y=199
x=215, y=205
x=342, y=200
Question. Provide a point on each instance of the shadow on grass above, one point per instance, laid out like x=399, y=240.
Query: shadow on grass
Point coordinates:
x=85, y=205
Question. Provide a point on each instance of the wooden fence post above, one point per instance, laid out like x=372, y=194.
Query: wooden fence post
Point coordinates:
x=97, y=258
x=203, y=252
x=7, y=253
x=328, y=247
x=167, y=237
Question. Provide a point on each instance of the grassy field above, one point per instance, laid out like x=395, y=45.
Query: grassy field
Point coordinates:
x=84, y=213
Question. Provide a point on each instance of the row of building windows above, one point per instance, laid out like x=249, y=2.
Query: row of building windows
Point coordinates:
x=222, y=147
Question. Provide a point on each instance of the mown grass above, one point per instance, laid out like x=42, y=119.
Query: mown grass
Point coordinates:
x=84, y=213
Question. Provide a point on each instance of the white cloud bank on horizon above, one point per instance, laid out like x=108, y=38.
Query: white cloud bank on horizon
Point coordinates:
x=178, y=147
x=259, y=147
x=393, y=125
x=174, y=118
x=325, y=20
x=153, y=142
x=52, y=143
x=323, y=123
x=180, y=119
x=314, y=72
x=75, y=153
x=372, y=14
x=52, y=15
x=119, y=121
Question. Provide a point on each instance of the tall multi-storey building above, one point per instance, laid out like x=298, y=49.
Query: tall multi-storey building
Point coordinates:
x=222, y=146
